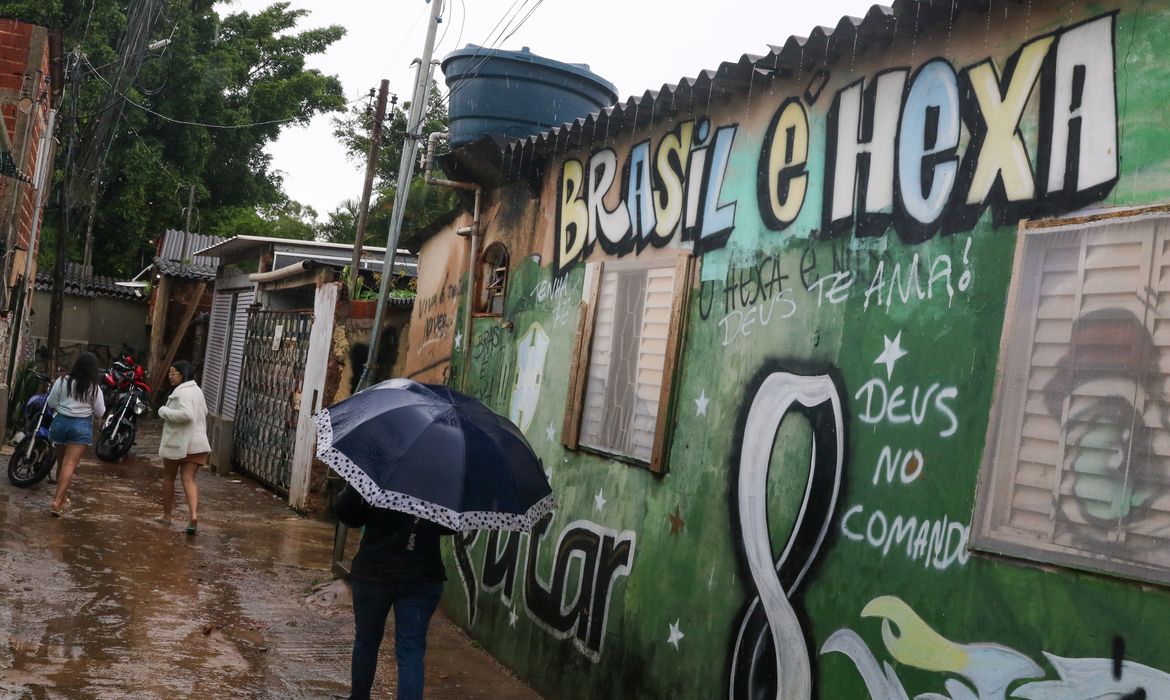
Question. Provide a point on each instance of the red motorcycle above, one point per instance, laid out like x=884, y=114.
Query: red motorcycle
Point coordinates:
x=127, y=397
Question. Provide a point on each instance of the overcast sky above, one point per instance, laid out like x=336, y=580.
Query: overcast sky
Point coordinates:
x=635, y=44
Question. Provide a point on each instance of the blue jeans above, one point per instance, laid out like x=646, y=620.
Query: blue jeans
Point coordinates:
x=414, y=604
x=67, y=430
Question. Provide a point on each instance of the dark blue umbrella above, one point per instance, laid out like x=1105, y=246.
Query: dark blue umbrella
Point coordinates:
x=435, y=453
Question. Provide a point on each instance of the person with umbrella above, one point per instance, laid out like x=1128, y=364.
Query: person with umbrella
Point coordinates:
x=398, y=565
x=420, y=461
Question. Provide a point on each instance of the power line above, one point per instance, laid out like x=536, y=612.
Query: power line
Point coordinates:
x=492, y=48
x=183, y=121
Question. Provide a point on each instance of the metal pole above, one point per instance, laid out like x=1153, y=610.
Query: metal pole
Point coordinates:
x=367, y=186
x=405, y=172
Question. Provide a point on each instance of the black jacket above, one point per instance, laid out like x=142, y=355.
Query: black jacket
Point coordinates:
x=396, y=547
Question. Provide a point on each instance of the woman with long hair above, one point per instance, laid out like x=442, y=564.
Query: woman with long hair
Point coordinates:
x=184, y=445
x=77, y=400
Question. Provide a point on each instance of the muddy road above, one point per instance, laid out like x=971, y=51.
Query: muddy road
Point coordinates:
x=106, y=603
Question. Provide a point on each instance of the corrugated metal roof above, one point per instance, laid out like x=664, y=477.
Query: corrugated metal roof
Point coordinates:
x=852, y=36
x=170, y=255
x=80, y=282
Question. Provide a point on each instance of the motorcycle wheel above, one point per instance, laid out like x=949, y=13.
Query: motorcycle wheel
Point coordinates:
x=26, y=470
x=112, y=450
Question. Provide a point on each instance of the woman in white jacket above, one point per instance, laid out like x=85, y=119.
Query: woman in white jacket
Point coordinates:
x=184, y=445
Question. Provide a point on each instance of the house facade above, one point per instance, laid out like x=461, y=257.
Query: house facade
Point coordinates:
x=30, y=92
x=284, y=339
x=847, y=365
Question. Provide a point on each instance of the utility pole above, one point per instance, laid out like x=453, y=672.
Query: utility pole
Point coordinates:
x=371, y=168
x=418, y=104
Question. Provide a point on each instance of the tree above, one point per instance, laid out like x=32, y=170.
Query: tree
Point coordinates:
x=243, y=73
x=423, y=204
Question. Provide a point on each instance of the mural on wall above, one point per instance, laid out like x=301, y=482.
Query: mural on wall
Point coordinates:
x=676, y=192
x=985, y=671
x=769, y=657
x=935, y=542
x=920, y=153
x=530, y=352
x=893, y=156
x=1111, y=363
x=573, y=601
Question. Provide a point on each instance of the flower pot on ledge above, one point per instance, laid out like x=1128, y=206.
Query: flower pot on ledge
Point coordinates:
x=363, y=308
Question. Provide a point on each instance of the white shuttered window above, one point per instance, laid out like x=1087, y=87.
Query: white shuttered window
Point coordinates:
x=626, y=357
x=1077, y=465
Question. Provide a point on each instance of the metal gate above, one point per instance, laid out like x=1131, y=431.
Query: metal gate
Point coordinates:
x=275, y=349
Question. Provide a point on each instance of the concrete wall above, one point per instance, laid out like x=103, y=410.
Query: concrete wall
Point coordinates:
x=98, y=321
x=435, y=325
x=827, y=554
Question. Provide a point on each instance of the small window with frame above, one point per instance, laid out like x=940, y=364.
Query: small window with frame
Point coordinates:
x=1076, y=469
x=627, y=346
x=491, y=280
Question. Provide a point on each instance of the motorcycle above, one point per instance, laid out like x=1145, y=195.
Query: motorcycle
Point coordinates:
x=121, y=375
x=33, y=457
x=128, y=398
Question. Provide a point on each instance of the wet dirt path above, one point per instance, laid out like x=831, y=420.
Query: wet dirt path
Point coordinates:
x=106, y=603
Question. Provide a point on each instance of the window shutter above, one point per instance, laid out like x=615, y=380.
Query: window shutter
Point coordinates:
x=1080, y=454
x=625, y=387
x=571, y=427
x=680, y=296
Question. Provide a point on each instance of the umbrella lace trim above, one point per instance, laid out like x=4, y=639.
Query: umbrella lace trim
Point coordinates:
x=394, y=500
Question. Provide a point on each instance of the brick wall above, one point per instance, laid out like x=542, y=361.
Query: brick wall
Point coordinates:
x=24, y=64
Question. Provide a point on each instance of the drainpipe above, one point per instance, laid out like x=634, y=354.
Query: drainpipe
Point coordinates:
x=281, y=273
x=472, y=230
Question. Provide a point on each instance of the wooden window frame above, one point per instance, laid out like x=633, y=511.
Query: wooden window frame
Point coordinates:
x=583, y=348
x=998, y=482
x=481, y=282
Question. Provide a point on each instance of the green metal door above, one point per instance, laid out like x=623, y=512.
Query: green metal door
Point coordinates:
x=275, y=348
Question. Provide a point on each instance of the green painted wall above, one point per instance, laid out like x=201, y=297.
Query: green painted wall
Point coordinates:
x=640, y=583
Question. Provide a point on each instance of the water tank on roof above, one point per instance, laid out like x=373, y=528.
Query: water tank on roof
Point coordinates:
x=517, y=93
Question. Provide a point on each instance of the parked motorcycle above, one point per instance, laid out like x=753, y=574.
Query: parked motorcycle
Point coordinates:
x=128, y=397
x=122, y=374
x=33, y=458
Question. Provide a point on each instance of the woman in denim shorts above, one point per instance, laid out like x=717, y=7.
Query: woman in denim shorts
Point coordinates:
x=77, y=400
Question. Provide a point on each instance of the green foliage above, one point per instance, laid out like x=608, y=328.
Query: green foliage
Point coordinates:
x=241, y=70
x=424, y=203
x=288, y=219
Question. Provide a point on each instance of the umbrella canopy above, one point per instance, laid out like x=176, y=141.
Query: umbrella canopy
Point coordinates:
x=435, y=453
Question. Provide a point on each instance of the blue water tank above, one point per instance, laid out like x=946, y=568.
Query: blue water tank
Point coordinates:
x=517, y=93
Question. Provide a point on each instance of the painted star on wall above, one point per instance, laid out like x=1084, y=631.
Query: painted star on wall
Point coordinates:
x=676, y=521
x=701, y=403
x=675, y=634
x=551, y=432
x=459, y=340
x=891, y=354
x=512, y=617
x=599, y=500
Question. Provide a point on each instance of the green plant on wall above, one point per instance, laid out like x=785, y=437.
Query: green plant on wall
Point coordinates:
x=362, y=291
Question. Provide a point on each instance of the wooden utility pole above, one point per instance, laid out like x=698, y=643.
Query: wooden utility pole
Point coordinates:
x=418, y=103
x=367, y=186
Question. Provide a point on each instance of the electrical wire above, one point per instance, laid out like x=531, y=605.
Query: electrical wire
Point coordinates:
x=404, y=39
x=493, y=47
x=205, y=125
